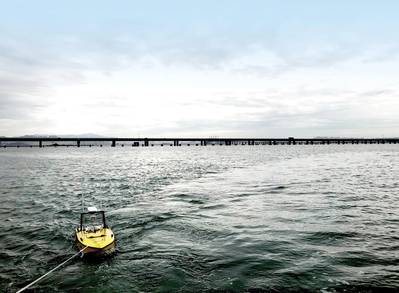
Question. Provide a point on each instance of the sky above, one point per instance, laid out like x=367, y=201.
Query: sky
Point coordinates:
x=200, y=68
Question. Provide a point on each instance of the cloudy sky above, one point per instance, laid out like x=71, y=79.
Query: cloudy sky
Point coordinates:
x=200, y=68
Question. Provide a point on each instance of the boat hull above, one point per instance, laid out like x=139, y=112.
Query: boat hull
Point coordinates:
x=95, y=242
x=93, y=251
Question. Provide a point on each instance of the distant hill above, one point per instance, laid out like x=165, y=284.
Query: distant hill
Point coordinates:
x=81, y=135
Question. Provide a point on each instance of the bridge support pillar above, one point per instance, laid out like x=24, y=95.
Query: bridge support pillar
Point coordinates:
x=78, y=143
x=113, y=143
x=40, y=143
x=146, y=142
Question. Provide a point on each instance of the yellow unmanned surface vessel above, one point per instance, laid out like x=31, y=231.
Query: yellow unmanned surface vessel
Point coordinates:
x=93, y=235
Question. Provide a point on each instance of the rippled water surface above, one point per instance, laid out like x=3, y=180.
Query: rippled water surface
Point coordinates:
x=193, y=219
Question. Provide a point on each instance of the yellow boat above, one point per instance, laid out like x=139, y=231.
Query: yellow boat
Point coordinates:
x=93, y=235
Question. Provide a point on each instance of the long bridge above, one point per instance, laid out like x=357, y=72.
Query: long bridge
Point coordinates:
x=173, y=141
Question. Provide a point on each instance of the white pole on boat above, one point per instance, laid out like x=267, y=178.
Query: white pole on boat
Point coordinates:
x=49, y=272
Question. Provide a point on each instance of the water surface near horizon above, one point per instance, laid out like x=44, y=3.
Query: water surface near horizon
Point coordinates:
x=193, y=219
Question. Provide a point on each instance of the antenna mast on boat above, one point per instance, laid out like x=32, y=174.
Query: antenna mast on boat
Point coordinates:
x=81, y=199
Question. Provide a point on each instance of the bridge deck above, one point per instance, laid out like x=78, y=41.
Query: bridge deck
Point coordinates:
x=175, y=141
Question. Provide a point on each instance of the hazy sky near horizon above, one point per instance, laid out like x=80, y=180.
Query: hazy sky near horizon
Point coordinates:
x=200, y=68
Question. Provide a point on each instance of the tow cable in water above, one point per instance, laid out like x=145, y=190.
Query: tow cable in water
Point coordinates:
x=51, y=271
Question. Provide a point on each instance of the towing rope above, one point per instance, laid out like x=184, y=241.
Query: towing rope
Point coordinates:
x=49, y=272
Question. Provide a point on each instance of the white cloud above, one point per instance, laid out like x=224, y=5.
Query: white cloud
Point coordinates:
x=126, y=89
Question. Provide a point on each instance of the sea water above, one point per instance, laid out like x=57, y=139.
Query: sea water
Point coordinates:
x=321, y=218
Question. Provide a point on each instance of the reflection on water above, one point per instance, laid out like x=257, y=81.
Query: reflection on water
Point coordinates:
x=238, y=218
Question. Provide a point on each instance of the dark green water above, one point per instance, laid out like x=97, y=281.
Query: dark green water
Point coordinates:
x=194, y=219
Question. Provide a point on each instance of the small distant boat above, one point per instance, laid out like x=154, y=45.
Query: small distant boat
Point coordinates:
x=93, y=235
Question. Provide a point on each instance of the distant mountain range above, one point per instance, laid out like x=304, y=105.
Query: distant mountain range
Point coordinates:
x=63, y=135
x=51, y=136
